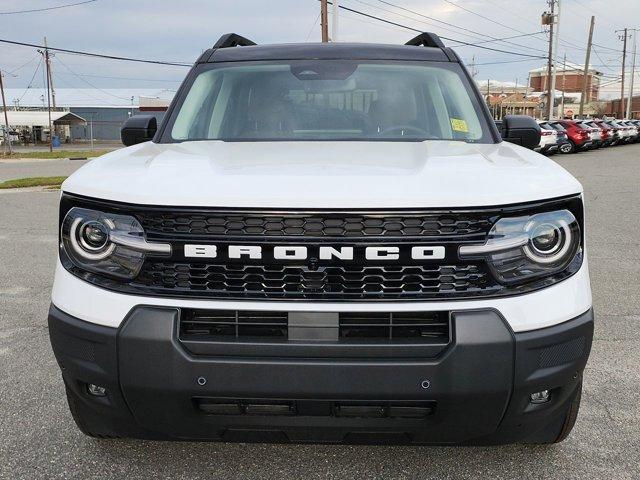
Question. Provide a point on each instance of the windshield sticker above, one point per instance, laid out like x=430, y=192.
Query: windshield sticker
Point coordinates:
x=459, y=125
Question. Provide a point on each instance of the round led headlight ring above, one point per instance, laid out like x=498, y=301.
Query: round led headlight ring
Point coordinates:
x=94, y=236
x=546, y=239
x=91, y=239
x=548, y=242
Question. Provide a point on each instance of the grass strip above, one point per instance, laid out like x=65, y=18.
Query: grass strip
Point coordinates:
x=56, y=154
x=33, y=182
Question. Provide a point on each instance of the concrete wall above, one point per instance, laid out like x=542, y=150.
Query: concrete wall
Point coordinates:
x=106, y=122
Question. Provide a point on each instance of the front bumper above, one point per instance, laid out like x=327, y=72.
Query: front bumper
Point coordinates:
x=548, y=149
x=475, y=391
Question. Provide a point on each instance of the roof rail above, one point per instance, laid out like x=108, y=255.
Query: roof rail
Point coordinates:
x=426, y=39
x=233, y=40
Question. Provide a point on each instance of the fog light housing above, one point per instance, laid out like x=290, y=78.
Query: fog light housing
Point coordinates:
x=96, y=390
x=540, y=397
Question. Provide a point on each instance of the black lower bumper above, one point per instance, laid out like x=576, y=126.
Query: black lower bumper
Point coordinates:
x=476, y=391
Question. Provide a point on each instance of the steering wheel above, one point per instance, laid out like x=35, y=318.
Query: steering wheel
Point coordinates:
x=403, y=128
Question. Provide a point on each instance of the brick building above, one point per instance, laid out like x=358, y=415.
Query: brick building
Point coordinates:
x=570, y=80
x=613, y=108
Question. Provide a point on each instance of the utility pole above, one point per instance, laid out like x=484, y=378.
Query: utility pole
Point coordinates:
x=7, y=134
x=324, y=21
x=472, y=67
x=334, y=23
x=633, y=73
x=624, y=37
x=564, y=83
x=46, y=59
x=583, y=97
x=50, y=75
x=550, y=19
x=526, y=94
x=489, y=99
x=556, y=36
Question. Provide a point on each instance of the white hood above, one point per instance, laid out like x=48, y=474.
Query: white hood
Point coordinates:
x=323, y=175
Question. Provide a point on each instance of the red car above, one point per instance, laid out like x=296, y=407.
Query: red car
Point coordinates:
x=609, y=135
x=578, y=135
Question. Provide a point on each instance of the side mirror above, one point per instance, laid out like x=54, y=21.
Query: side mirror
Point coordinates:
x=138, y=129
x=521, y=130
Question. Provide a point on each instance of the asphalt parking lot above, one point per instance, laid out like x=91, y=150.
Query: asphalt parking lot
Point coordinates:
x=38, y=438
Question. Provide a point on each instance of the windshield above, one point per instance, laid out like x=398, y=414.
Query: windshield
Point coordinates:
x=328, y=100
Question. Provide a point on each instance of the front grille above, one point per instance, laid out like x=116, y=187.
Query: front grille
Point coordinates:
x=316, y=225
x=367, y=327
x=313, y=278
x=294, y=282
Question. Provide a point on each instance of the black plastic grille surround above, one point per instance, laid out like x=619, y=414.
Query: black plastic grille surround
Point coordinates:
x=359, y=280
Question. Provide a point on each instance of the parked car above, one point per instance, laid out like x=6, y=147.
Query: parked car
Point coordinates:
x=564, y=145
x=636, y=123
x=579, y=136
x=594, y=133
x=604, y=134
x=634, y=132
x=618, y=131
x=609, y=132
x=548, y=139
x=323, y=243
x=625, y=132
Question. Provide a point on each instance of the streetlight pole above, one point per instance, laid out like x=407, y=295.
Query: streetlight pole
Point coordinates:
x=324, y=20
x=633, y=72
x=334, y=25
x=7, y=134
x=585, y=75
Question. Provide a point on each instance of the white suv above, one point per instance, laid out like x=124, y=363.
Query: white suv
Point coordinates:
x=548, y=139
x=324, y=243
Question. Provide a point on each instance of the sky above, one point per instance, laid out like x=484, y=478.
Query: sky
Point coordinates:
x=179, y=31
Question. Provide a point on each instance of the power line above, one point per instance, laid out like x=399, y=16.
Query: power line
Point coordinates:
x=604, y=64
x=507, y=61
x=481, y=16
x=471, y=32
x=315, y=22
x=48, y=8
x=83, y=93
x=441, y=36
x=124, y=78
x=97, y=55
x=87, y=82
x=33, y=77
x=561, y=39
x=11, y=72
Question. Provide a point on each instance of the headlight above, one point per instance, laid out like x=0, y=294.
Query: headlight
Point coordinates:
x=106, y=243
x=522, y=248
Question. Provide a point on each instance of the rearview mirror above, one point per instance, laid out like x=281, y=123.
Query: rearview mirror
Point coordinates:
x=138, y=129
x=521, y=130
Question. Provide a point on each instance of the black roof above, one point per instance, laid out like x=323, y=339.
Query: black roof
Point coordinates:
x=234, y=48
x=305, y=51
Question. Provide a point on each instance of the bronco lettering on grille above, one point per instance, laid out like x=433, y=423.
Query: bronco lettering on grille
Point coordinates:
x=301, y=252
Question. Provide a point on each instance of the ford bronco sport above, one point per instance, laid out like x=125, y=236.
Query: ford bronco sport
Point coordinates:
x=324, y=243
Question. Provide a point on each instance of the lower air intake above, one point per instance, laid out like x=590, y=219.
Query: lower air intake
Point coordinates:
x=351, y=327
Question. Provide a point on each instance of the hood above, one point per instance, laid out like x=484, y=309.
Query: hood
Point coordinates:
x=323, y=175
